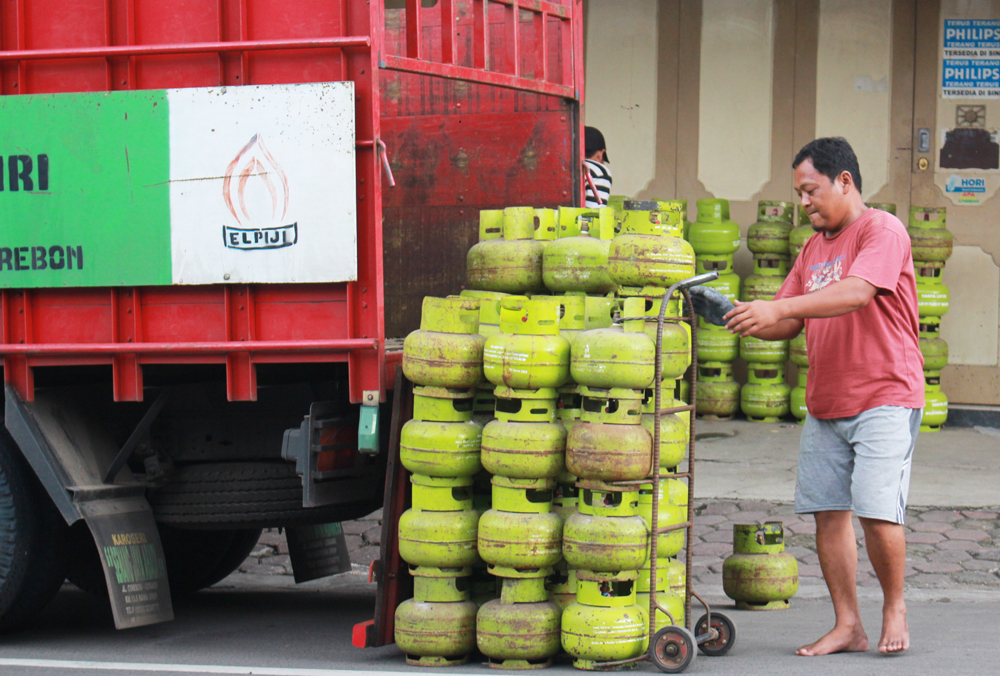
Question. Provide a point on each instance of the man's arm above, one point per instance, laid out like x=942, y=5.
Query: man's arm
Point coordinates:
x=782, y=319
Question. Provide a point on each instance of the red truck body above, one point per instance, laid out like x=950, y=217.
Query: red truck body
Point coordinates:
x=468, y=105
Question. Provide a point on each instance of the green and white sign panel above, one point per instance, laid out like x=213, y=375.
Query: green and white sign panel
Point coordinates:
x=179, y=186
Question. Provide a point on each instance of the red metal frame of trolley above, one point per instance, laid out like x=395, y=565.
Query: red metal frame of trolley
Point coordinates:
x=244, y=325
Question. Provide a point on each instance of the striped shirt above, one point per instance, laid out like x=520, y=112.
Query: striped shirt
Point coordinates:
x=601, y=175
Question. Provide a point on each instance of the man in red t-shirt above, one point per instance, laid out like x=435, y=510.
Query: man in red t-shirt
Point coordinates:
x=853, y=290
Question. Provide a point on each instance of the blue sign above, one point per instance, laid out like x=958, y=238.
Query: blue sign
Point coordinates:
x=971, y=65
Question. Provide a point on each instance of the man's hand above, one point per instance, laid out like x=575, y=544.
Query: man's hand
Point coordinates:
x=747, y=319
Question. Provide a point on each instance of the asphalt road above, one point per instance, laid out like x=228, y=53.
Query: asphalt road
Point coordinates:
x=268, y=627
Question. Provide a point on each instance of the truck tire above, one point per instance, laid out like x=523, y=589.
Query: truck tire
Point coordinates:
x=196, y=559
x=33, y=539
x=244, y=495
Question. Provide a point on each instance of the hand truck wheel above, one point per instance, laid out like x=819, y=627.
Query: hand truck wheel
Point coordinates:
x=673, y=649
x=721, y=644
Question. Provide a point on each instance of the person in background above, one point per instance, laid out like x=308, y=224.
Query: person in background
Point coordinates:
x=596, y=163
x=853, y=288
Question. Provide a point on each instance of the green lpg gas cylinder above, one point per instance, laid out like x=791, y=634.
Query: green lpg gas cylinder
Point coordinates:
x=798, y=351
x=728, y=283
x=609, y=442
x=670, y=513
x=769, y=272
x=933, y=296
x=675, y=340
x=508, y=257
x=673, y=602
x=520, y=630
x=717, y=344
x=646, y=256
x=441, y=440
x=617, y=202
x=887, y=207
x=562, y=586
x=489, y=310
x=521, y=531
x=935, y=403
x=933, y=347
x=619, y=356
x=606, y=534
x=436, y=634
x=718, y=393
x=604, y=623
x=441, y=585
x=528, y=353
x=797, y=398
x=673, y=436
x=640, y=216
x=525, y=441
x=759, y=575
x=799, y=234
x=770, y=233
x=431, y=537
x=714, y=233
x=447, y=350
x=765, y=397
x=580, y=263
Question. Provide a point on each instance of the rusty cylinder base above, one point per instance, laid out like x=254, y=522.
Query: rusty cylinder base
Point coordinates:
x=765, y=419
x=591, y=665
x=715, y=418
x=783, y=604
x=428, y=661
x=520, y=665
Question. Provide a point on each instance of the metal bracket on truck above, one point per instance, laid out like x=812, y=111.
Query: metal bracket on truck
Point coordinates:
x=70, y=452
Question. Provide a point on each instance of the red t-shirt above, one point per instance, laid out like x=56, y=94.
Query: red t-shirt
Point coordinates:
x=869, y=357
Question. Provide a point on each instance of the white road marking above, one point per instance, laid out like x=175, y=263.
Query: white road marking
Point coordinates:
x=184, y=668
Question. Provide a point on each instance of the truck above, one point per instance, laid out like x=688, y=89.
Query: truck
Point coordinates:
x=217, y=219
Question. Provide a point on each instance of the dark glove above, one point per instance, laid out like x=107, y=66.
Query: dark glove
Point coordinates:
x=710, y=304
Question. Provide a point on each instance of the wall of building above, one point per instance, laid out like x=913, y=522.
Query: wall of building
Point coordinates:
x=741, y=85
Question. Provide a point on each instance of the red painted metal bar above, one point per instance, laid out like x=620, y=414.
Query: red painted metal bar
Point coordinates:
x=347, y=42
x=217, y=347
x=511, y=40
x=414, y=28
x=561, y=11
x=474, y=75
x=480, y=35
x=448, y=51
x=541, y=21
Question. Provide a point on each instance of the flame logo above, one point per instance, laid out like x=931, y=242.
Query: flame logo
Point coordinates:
x=254, y=161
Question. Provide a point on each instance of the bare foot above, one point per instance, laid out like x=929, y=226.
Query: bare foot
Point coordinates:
x=839, y=640
x=895, y=634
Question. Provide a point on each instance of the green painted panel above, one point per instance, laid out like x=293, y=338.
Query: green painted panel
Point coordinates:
x=84, y=190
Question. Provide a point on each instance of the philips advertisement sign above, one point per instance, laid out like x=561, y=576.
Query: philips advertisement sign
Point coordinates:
x=971, y=64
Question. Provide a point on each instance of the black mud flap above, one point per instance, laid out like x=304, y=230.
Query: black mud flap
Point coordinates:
x=131, y=553
x=71, y=452
x=317, y=551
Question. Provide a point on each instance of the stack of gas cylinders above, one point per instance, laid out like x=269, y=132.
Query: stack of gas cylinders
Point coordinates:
x=765, y=397
x=797, y=353
x=715, y=239
x=440, y=446
x=525, y=386
x=931, y=243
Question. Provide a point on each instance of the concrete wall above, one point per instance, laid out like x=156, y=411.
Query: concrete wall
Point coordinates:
x=741, y=85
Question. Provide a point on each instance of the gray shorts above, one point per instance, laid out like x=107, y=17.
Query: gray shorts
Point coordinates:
x=860, y=463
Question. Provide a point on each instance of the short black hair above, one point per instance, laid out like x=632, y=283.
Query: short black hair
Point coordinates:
x=831, y=156
x=593, y=141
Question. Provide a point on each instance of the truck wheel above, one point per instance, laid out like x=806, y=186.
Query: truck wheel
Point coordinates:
x=33, y=539
x=245, y=495
x=196, y=559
